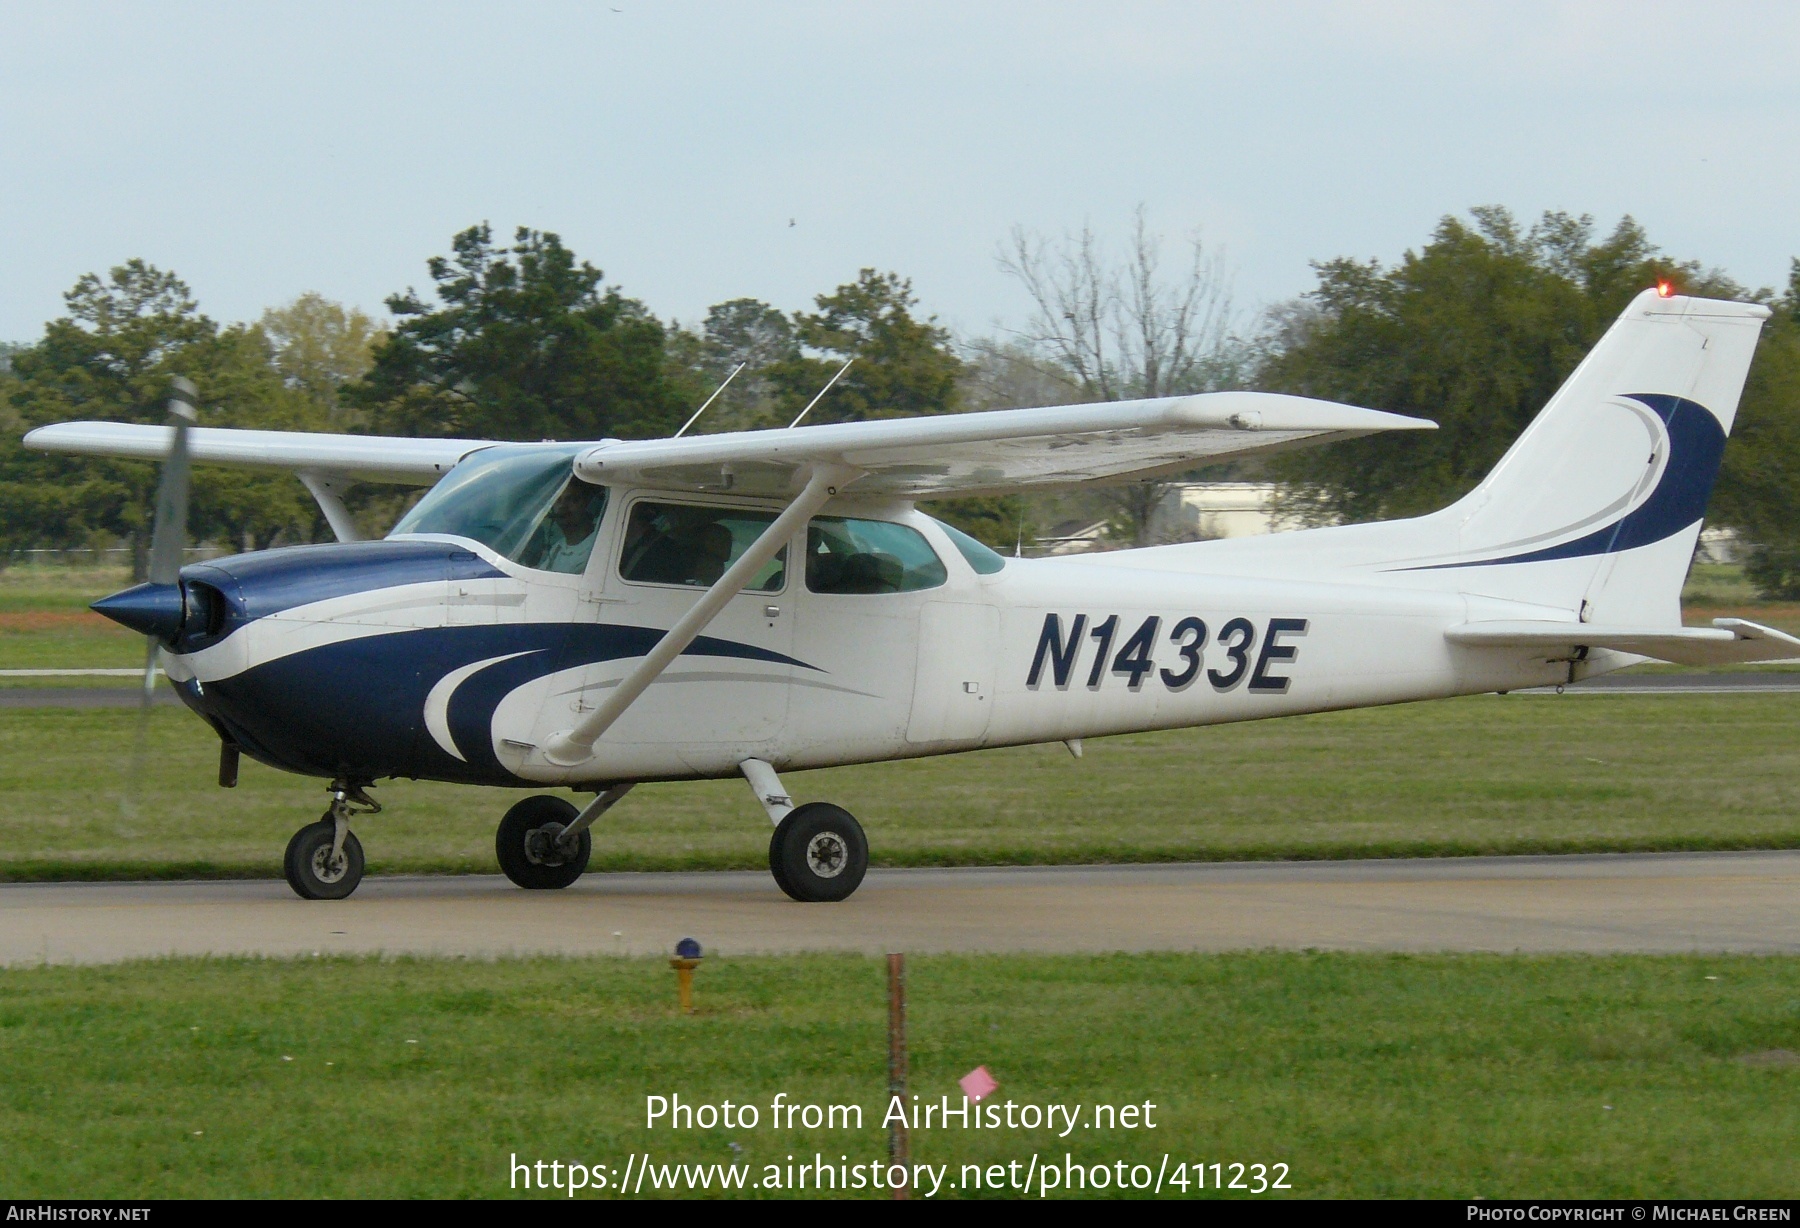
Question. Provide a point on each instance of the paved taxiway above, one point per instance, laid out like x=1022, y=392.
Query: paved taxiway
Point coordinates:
x=1605, y=902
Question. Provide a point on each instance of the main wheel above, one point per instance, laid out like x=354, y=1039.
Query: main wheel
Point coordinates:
x=818, y=853
x=527, y=848
x=313, y=872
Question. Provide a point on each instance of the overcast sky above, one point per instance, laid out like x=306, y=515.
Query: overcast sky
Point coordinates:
x=262, y=150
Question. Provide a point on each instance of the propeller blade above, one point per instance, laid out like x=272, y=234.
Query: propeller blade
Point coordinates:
x=168, y=537
x=150, y=659
x=168, y=534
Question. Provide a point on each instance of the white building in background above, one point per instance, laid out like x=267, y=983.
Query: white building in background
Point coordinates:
x=1719, y=546
x=1205, y=511
x=1189, y=511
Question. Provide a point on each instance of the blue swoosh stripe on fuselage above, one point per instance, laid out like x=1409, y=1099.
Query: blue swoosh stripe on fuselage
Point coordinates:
x=1696, y=446
x=356, y=708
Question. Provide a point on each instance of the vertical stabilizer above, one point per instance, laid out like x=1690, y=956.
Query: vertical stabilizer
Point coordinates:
x=1596, y=508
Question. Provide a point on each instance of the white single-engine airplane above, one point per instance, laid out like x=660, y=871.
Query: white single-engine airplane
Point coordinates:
x=593, y=615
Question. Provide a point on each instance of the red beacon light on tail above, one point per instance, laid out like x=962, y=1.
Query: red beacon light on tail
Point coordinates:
x=1664, y=287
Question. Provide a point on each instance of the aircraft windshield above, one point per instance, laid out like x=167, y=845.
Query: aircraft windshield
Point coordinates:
x=523, y=503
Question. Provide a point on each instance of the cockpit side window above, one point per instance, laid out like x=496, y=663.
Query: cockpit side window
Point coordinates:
x=525, y=504
x=680, y=543
x=565, y=536
x=869, y=556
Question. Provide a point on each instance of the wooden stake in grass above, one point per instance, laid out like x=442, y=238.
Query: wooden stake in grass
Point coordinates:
x=687, y=958
x=898, y=1151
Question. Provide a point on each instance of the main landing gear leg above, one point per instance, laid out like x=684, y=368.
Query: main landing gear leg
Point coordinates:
x=324, y=860
x=818, y=851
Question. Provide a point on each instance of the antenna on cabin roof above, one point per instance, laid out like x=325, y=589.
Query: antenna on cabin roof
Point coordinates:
x=827, y=388
x=709, y=401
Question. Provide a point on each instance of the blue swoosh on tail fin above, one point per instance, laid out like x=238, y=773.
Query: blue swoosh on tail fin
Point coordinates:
x=1696, y=446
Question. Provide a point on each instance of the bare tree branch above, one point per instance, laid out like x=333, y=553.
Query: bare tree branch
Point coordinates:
x=1122, y=329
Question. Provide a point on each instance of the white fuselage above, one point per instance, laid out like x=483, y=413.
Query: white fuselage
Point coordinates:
x=1042, y=650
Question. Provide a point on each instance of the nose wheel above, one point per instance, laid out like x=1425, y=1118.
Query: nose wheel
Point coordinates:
x=317, y=868
x=324, y=860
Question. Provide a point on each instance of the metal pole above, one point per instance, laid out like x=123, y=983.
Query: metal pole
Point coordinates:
x=898, y=1150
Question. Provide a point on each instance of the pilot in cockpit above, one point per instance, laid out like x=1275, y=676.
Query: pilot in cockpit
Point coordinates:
x=565, y=539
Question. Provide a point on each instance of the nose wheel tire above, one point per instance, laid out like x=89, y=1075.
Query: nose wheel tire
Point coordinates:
x=818, y=853
x=313, y=872
x=531, y=854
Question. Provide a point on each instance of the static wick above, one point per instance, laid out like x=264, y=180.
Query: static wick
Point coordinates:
x=827, y=388
x=709, y=400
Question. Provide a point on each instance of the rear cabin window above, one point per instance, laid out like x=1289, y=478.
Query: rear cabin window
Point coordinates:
x=984, y=560
x=679, y=543
x=869, y=556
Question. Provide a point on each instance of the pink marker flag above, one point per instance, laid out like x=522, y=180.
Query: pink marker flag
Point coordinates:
x=978, y=1083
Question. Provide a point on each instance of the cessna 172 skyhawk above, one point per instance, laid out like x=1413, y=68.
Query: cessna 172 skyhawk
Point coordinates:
x=593, y=615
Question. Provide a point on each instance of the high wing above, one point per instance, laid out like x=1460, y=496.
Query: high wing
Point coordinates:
x=369, y=458
x=952, y=454
x=996, y=451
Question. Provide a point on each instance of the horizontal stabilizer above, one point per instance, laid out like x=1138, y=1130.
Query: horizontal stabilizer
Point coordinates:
x=995, y=451
x=1729, y=641
x=370, y=458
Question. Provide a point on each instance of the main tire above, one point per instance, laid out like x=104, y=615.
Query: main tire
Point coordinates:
x=527, y=849
x=819, y=853
x=312, y=871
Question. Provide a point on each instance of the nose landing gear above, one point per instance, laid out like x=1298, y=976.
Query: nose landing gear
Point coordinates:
x=324, y=860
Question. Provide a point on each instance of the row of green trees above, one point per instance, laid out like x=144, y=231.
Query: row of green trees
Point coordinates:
x=1476, y=330
x=519, y=342
x=526, y=341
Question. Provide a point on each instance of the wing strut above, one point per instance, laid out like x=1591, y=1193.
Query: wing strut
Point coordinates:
x=328, y=490
x=571, y=747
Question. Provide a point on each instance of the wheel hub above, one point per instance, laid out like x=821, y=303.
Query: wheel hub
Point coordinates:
x=326, y=868
x=542, y=847
x=827, y=854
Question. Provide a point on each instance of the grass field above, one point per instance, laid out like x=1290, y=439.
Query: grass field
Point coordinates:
x=1452, y=1076
x=45, y=622
x=80, y=798
x=1480, y=775
x=1369, y=1076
